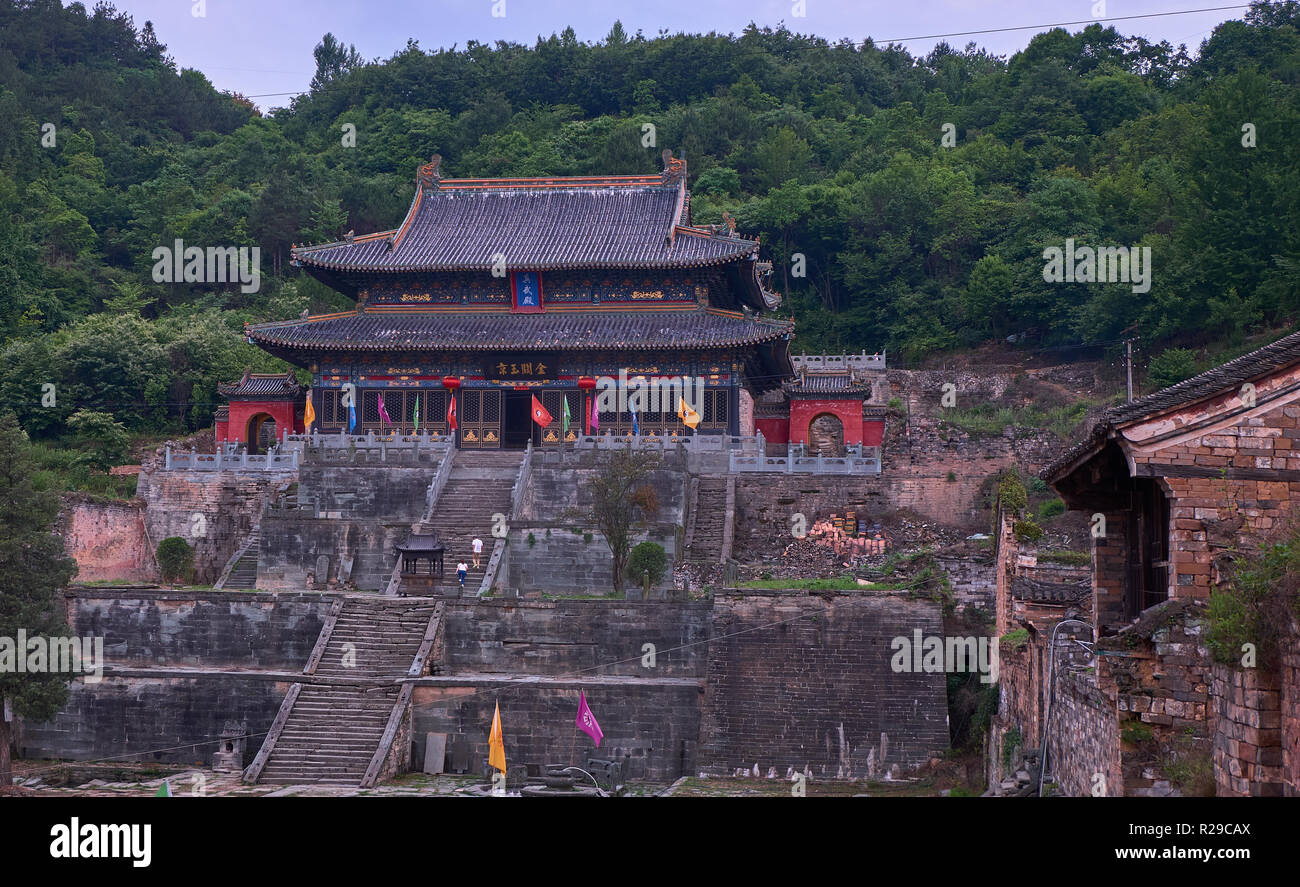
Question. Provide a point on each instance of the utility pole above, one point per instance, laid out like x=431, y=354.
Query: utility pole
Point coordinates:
x=1128, y=362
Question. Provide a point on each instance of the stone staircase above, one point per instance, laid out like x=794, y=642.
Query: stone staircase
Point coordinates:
x=479, y=487
x=244, y=573
x=336, y=731
x=708, y=520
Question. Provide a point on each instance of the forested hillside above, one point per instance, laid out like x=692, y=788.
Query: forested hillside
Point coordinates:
x=830, y=150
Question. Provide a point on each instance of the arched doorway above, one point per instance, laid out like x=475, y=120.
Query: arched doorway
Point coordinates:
x=825, y=436
x=261, y=433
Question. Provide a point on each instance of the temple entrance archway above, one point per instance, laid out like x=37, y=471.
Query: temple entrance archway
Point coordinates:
x=262, y=433
x=825, y=435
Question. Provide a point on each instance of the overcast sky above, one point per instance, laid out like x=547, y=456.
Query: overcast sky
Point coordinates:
x=265, y=46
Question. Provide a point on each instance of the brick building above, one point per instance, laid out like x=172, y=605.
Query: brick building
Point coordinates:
x=1180, y=484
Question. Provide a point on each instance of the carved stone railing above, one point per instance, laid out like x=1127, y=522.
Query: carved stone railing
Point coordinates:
x=858, y=460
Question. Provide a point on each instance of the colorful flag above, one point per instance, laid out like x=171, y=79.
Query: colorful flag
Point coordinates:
x=586, y=721
x=496, y=743
x=540, y=415
x=352, y=415
x=595, y=417
x=309, y=414
x=383, y=413
x=636, y=427
x=415, y=417
x=451, y=412
x=686, y=414
x=164, y=790
x=564, y=420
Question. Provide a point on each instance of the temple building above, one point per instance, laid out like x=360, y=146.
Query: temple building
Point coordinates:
x=494, y=291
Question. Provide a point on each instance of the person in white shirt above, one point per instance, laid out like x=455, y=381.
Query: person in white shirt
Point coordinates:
x=478, y=550
x=461, y=572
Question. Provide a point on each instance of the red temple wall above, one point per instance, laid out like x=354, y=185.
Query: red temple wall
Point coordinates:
x=803, y=411
x=282, y=411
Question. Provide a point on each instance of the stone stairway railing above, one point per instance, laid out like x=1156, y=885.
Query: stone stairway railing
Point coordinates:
x=383, y=753
x=517, y=495
x=234, y=558
x=430, y=502
x=254, y=770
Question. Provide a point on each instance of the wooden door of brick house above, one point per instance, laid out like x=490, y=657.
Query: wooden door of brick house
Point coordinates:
x=1148, y=548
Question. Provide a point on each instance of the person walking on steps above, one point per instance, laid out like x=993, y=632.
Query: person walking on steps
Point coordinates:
x=478, y=550
x=462, y=570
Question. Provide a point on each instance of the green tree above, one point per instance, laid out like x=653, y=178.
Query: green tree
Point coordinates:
x=1171, y=366
x=647, y=558
x=619, y=499
x=106, y=440
x=33, y=567
x=175, y=559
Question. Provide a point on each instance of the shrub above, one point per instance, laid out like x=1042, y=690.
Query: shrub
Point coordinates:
x=1014, y=640
x=1027, y=531
x=1171, y=366
x=1050, y=509
x=1072, y=558
x=175, y=559
x=1011, y=492
x=648, y=557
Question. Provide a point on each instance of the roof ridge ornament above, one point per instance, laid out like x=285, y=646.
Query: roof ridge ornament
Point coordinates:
x=429, y=174
x=674, y=168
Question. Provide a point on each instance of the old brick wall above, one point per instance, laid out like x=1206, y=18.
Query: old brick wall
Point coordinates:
x=1248, y=752
x=107, y=540
x=224, y=505
x=293, y=542
x=1290, y=712
x=560, y=560
x=804, y=681
x=565, y=637
x=1084, y=740
x=154, y=716
x=211, y=629
x=650, y=724
x=363, y=492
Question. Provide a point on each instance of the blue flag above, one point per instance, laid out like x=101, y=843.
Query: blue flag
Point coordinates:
x=352, y=417
x=636, y=428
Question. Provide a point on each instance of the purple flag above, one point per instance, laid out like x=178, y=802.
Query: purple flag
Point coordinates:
x=383, y=413
x=586, y=722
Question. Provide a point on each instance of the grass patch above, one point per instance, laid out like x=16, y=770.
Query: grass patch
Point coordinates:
x=1014, y=640
x=1070, y=558
x=839, y=583
x=1063, y=421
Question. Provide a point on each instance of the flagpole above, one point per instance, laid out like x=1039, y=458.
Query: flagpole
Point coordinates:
x=574, y=741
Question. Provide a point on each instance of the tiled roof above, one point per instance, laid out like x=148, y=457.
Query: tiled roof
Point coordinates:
x=1261, y=362
x=261, y=385
x=629, y=330
x=826, y=383
x=1025, y=589
x=536, y=224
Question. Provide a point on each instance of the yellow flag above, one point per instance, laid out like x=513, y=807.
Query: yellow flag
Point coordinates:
x=496, y=744
x=309, y=415
x=686, y=414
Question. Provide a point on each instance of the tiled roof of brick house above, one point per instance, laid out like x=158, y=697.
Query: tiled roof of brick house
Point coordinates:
x=261, y=385
x=1262, y=362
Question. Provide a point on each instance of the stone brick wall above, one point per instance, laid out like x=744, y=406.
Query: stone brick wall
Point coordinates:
x=1290, y=712
x=154, y=716
x=293, y=543
x=651, y=725
x=565, y=637
x=563, y=494
x=804, y=681
x=107, y=540
x=361, y=492
x=228, y=503
x=211, y=629
x=560, y=560
x=1248, y=753
x=1084, y=739
x=973, y=581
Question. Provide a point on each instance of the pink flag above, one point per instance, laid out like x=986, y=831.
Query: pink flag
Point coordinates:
x=595, y=417
x=383, y=413
x=586, y=722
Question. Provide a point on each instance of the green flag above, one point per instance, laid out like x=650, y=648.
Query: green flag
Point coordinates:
x=164, y=790
x=564, y=422
x=417, y=414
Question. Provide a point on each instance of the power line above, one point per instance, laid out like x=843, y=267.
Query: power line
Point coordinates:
x=1089, y=21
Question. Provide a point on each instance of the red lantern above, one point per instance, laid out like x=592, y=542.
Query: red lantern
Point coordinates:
x=586, y=383
x=452, y=382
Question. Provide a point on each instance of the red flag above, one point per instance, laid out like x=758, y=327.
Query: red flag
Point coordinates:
x=540, y=416
x=586, y=722
x=586, y=424
x=451, y=412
